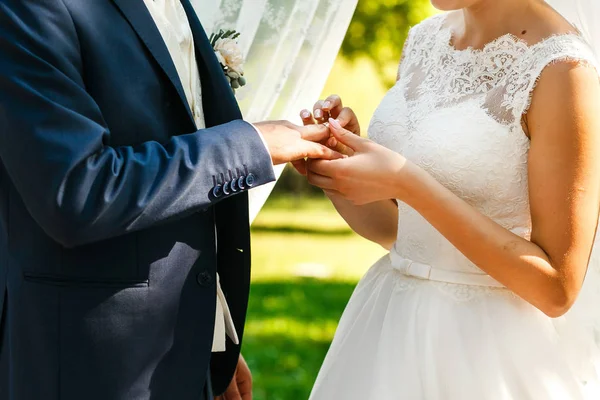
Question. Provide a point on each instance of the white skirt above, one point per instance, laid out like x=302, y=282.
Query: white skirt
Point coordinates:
x=410, y=339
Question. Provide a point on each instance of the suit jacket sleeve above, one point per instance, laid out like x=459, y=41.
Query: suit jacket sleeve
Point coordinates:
x=53, y=141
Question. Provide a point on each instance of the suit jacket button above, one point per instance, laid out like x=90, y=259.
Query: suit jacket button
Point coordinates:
x=250, y=180
x=226, y=188
x=217, y=191
x=233, y=185
x=204, y=279
x=241, y=181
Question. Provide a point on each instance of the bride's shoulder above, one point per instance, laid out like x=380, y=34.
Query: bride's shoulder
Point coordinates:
x=546, y=23
x=550, y=37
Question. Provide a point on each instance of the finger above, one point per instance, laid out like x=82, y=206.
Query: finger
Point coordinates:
x=246, y=390
x=345, y=116
x=345, y=136
x=316, y=150
x=333, y=143
x=244, y=380
x=331, y=192
x=318, y=112
x=323, y=182
x=321, y=167
x=307, y=118
x=232, y=392
x=315, y=132
x=333, y=105
x=300, y=166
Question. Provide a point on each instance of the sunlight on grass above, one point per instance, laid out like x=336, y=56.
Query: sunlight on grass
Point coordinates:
x=291, y=329
x=288, y=239
x=293, y=204
x=316, y=220
x=277, y=255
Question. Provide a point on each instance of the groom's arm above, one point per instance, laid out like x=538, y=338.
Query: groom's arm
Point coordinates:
x=53, y=141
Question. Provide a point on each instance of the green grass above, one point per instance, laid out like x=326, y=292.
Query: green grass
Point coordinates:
x=298, y=238
x=291, y=324
x=292, y=318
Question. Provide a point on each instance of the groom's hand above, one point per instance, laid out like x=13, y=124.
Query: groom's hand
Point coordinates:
x=291, y=143
x=240, y=387
x=288, y=142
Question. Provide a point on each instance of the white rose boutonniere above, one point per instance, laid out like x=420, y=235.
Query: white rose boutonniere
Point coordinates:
x=230, y=56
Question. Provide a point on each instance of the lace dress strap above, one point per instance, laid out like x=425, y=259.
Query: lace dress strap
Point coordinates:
x=522, y=81
x=421, y=39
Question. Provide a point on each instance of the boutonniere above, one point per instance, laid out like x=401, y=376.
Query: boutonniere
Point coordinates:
x=230, y=56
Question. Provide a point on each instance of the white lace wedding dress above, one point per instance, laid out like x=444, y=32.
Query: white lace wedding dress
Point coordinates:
x=425, y=323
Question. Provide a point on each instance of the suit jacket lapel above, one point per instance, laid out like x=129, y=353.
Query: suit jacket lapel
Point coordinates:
x=220, y=105
x=140, y=19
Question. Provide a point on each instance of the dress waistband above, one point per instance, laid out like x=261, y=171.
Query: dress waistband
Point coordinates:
x=427, y=272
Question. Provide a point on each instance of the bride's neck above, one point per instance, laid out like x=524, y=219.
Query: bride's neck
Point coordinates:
x=486, y=20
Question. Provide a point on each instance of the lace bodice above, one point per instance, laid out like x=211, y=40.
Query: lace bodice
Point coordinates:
x=457, y=114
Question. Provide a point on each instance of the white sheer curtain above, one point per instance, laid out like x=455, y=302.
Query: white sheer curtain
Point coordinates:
x=585, y=15
x=290, y=48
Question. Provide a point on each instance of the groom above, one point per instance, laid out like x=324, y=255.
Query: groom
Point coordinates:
x=124, y=166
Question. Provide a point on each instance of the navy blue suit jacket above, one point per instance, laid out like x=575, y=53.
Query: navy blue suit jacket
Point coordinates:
x=110, y=231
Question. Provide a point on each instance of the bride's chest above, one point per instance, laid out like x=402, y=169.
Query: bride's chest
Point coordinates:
x=459, y=143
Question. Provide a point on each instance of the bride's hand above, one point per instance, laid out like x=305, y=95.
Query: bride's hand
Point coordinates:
x=332, y=107
x=373, y=173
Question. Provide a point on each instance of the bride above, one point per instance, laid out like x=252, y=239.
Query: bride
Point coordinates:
x=490, y=142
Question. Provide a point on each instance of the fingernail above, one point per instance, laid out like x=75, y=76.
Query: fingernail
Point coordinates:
x=318, y=113
x=305, y=114
x=335, y=123
x=327, y=104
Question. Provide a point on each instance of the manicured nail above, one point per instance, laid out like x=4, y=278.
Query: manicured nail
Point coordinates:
x=305, y=114
x=335, y=123
x=327, y=104
x=318, y=113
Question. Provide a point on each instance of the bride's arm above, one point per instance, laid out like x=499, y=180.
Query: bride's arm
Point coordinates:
x=564, y=180
x=377, y=222
x=564, y=194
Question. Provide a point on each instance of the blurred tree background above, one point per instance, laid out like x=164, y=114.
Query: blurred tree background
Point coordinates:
x=378, y=31
x=305, y=259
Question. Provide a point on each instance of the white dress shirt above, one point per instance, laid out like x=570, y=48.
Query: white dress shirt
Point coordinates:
x=174, y=27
